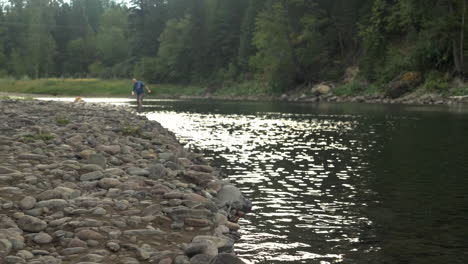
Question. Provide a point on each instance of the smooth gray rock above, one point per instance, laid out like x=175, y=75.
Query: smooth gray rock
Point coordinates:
x=97, y=159
x=52, y=204
x=31, y=224
x=5, y=247
x=92, y=176
x=42, y=238
x=202, y=247
x=225, y=258
x=157, y=171
x=4, y=170
x=200, y=259
x=73, y=251
x=27, y=203
x=143, y=232
x=30, y=156
x=14, y=260
x=230, y=195
x=138, y=172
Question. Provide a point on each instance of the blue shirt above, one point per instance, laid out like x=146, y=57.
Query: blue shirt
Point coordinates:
x=139, y=87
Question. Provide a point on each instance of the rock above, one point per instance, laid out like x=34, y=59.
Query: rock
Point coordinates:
x=195, y=222
x=220, y=243
x=204, y=247
x=97, y=159
x=202, y=168
x=108, y=183
x=27, y=203
x=174, y=195
x=320, y=89
x=402, y=84
x=181, y=260
x=144, y=253
x=113, y=246
x=24, y=254
x=87, y=234
x=52, y=204
x=75, y=140
x=199, y=178
x=231, y=196
x=42, y=238
x=5, y=247
x=129, y=260
x=200, y=259
x=76, y=243
x=14, y=236
x=113, y=149
x=14, y=260
x=29, y=156
x=4, y=170
x=138, y=172
x=143, y=232
x=232, y=226
x=86, y=154
x=31, y=224
x=157, y=171
x=114, y=172
x=73, y=251
x=225, y=258
x=60, y=221
x=91, y=259
x=49, y=194
x=92, y=176
x=165, y=261
x=91, y=168
x=195, y=198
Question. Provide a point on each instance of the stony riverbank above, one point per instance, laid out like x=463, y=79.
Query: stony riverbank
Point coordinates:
x=412, y=99
x=85, y=183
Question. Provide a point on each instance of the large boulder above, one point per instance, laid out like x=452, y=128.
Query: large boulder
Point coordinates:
x=402, y=84
x=321, y=89
x=225, y=258
x=232, y=197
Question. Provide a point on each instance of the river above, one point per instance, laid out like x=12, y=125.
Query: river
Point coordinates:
x=336, y=183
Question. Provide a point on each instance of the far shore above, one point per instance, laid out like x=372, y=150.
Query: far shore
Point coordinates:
x=96, y=88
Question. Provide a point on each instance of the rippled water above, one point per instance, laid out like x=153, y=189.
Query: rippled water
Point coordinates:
x=337, y=183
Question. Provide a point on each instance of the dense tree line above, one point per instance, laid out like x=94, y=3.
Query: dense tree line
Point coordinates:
x=279, y=43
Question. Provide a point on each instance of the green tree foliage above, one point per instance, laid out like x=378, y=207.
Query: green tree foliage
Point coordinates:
x=174, y=59
x=280, y=44
x=275, y=59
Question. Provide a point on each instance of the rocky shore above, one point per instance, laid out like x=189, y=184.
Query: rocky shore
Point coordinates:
x=86, y=183
x=412, y=99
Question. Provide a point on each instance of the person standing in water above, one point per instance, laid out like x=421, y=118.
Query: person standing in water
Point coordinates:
x=139, y=90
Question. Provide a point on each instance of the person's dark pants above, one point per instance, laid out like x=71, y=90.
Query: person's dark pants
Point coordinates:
x=140, y=99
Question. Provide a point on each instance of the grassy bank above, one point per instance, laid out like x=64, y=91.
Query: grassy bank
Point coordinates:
x=252, y=89
x=89, y=87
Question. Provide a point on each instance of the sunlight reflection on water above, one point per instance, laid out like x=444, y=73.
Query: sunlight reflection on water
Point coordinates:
x=297, y=172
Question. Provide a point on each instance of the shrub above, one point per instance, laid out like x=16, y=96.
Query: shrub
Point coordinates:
x=436, y=82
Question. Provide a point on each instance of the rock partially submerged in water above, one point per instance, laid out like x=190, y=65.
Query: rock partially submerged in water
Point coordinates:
x=108, y=186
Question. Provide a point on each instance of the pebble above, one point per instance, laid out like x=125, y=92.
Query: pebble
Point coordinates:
x=42, y=238
x=31, y=224
x=92, y=176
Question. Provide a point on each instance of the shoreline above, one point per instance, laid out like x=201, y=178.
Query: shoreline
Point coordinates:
x=410, y=99
x=98, y=183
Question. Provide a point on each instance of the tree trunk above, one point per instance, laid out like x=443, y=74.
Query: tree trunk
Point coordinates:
x=462, y=38
x=457, y=44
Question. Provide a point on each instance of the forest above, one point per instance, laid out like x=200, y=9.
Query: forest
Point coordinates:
x=279, y=45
